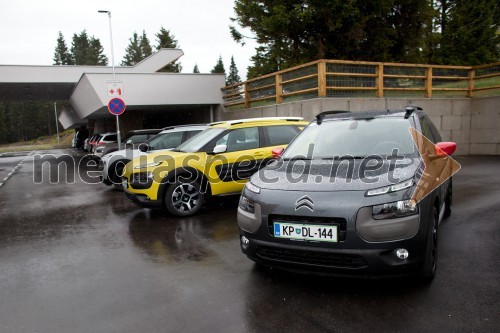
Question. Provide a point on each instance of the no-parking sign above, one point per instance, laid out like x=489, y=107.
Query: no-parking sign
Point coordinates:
x=116, y=106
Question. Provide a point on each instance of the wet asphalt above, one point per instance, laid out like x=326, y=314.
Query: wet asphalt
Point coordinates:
x=78, y=257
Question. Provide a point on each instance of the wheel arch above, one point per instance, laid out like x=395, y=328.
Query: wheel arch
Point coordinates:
x=112, y=168
x=184, y=173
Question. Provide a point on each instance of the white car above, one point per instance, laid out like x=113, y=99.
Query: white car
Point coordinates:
x=167, y=139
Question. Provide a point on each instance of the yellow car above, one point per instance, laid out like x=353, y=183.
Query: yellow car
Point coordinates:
x=217, y=161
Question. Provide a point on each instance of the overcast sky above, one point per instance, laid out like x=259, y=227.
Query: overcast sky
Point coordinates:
x=29, y=29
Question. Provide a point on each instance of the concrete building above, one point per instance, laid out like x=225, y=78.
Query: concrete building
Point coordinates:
x=154, y=99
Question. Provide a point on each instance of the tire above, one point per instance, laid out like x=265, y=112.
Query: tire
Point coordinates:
x=116, y=169
x=429, y=266
x=184, y=198
x=448, y=201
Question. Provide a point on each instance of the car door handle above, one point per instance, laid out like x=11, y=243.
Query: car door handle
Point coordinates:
x=259, y=154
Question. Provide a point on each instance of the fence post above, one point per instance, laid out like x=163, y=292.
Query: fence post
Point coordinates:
x=247, y=96
x=321, y=78
x=379, y=84
x=472, y=75
x=279, y=89
x=428, y=82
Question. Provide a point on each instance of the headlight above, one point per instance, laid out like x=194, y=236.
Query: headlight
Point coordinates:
x=142, y=177
x=394, y=210
x=147, y=165
x=391, y=188
x=248, y=205
x=252, y=188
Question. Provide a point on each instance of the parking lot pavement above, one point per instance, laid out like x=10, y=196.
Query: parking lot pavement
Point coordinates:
x=78, y=257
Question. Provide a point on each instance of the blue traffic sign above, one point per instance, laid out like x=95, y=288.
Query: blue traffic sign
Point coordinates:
x=116, y=106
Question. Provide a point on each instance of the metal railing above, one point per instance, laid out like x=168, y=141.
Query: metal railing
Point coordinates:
x=340, y=78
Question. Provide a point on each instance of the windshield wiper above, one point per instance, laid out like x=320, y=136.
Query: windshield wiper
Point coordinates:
x=341, y=158
x=298, y=158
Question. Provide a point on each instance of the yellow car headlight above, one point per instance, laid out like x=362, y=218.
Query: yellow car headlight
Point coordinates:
x=147, y=165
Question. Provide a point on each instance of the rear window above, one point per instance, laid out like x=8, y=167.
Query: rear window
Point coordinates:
x=109, y=137
x=279, y=135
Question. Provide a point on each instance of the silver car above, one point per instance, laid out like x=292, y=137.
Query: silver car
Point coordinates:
x=167, y=139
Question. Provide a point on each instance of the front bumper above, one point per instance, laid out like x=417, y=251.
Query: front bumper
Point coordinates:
x=333, y=261
x=362, y=250
x=143, y=201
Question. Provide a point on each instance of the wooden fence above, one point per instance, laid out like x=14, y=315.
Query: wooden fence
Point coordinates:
x=339, y=78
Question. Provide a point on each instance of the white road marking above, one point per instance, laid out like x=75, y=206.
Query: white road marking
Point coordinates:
x=14, y=170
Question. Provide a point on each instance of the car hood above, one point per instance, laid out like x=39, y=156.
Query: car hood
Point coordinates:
x=328, y=175
x=130, y=154
x=162, y=161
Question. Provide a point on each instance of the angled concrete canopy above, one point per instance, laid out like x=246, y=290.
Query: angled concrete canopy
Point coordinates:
x=85, y=87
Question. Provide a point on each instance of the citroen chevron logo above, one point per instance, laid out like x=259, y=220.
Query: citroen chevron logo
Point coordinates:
x=305, y=202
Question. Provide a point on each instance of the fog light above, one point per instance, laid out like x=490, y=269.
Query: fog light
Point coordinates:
x=244, y=242
x=402, y=253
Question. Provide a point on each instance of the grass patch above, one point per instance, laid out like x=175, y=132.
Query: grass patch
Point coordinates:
x=41, y=143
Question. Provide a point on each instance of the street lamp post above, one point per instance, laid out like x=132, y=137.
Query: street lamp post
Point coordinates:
x=114, y=74
x=57, y=125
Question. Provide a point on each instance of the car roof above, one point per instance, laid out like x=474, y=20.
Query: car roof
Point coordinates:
x=333, y=115
x=181, y=128
x=259, y=121
x=145, y=131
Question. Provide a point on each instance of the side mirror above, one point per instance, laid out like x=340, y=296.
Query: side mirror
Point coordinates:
x=277, y=152
x=144, y=147
x=442, y=149
x=220, y=149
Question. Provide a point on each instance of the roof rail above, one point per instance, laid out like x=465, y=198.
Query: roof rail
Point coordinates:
x=410, y=109
x=322, y=115
x=249, y=120
x=184, y=125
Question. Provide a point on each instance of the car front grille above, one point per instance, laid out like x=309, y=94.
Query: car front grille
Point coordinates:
x=324, y=259
x=340, y=222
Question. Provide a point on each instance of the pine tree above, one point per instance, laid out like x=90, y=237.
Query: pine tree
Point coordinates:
x=233, y=76
x=219, y=67
x=195, y=69
x=96, y=53
x=470, y=36
x=168, y=41
x=62, y=56
x=133, y=52
x=79, y=48
x=145, y=46
x=87, y=50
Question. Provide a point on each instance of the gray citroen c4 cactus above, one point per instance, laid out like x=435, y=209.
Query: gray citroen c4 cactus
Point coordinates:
x=353, y=194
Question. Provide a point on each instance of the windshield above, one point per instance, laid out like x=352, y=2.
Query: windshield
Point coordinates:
x=358, y=138
x=166, y=140
x=198, y=141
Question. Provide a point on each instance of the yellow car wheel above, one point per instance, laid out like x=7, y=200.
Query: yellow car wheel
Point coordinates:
x=184, y=198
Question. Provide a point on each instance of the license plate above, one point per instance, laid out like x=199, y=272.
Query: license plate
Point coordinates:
x=322, y=233
x=124, y=184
